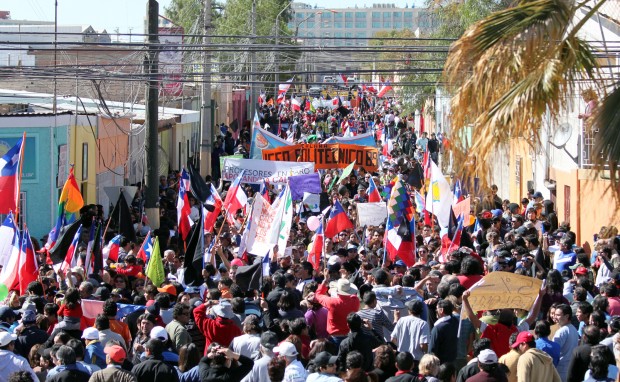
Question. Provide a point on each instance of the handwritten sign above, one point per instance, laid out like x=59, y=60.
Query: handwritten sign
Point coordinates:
x=327, y=156
x=500, y=290
x=257, y=170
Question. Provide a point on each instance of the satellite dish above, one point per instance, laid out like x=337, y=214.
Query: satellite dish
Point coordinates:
x=562, y=134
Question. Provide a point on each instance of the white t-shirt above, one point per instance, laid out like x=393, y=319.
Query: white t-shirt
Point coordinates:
x=295, y=372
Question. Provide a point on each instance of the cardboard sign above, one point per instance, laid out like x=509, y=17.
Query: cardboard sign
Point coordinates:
x=327, y=156
x=499, y=290
x=371, y=214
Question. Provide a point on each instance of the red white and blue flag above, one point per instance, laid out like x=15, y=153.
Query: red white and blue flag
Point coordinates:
x=10, y=273
x=458, y=192
x=7, y=233
x=210, y=217
x=264, y=190
x=28, y=268
x=113, y=247
x=9, y=178
x=71, y=258
x=262, y=98
x=146, y=249
x=400, y=227
x=373, y=192
x=183, y=207
x=236, y=198
x=338, y=221
x=282, y=89
x=385, y=87
x=295, y=104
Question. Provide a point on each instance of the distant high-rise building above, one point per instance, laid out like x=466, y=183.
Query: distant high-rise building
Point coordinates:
x=352, y=26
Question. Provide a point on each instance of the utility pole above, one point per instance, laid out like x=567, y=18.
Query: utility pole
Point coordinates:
x=206, y=128
x=151, y=68
x=253, y=98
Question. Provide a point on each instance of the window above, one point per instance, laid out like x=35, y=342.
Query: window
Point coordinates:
x=84, y=161
x=326, y=16
x=299, y=16
x=310, y=24
x=386, y=15
x=408, y=16
x=338, y=16
x=408, y=25
x=348, y=15
x=376, y=24
x=360, y=15
x=376, y=15
x=337, y=24
x=360, y=24
x=387, y=24
x=348, y=24
x=398, y=25
x=397, y=15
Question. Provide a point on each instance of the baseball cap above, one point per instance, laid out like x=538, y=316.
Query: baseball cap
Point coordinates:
x=6, y=338
x=28, y=317
x=324, y=358
x=522, y=338
x=117, y=353
x=487, y=357
x=6, y=313
x=159, y=333
x=614, y=323
x=538, y=194
x=170, y=289
x=581, y=271
x=286, y=349
x=269, y=340
x=90, y=334
x=400, y=263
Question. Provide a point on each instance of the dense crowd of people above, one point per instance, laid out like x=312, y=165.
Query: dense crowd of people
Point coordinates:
x=361, y=316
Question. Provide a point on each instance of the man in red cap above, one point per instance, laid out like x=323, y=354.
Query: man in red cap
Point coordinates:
x=534, y=364
x=115, y=356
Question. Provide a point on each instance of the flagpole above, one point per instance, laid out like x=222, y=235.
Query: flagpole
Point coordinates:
x=19, y=179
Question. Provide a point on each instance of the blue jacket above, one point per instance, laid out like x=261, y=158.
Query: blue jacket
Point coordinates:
x=94, y=354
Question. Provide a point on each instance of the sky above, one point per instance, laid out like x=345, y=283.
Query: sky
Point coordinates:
x=123, y=14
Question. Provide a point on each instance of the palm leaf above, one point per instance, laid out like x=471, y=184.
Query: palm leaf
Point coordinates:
x=607, y=141
x=508, y=71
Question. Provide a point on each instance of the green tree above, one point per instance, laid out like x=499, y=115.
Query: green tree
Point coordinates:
x=425, y=64
x=232, y=26
x=517, y=67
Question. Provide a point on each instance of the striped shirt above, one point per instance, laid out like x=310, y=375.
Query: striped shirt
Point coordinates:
x=379, y=321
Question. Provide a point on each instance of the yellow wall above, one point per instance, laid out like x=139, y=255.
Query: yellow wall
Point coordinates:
x=518, y=190
x=78, y=136
x=591, y=203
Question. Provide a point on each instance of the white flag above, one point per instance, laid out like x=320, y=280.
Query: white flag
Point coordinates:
x=439, y=196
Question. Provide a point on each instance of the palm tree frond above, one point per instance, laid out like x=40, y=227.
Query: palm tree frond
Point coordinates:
x=606, y=149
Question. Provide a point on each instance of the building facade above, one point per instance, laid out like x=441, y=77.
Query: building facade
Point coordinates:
x=353, y=26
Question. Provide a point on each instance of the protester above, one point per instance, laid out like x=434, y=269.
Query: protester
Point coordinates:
x=295, y=291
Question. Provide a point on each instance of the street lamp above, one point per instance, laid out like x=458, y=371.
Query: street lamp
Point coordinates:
x=277, y=53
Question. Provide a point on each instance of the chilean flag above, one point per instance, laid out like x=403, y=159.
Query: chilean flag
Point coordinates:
x=338, y=221
x=147, y=247
x=70, y=259
x=113, y=248
x=9, y=181
x=314, y=256
x=264, y=190
x=451, y=239
x=282, y=89
x=296, y=104
x=183, y=207
x=211, y=216
x=458, y=192
x=28, y=268
x=386, y=87
x=426, y=163
x=10, y=272
x=373, y=192
x=235, y=198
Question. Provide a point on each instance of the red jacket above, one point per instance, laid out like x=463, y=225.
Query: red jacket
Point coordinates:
x=220, y=330
x=338, y=308
x=129, y=270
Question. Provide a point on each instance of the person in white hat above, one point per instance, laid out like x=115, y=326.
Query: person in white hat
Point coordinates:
x=93, y=353
x=11, y=362
x=294, y=371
